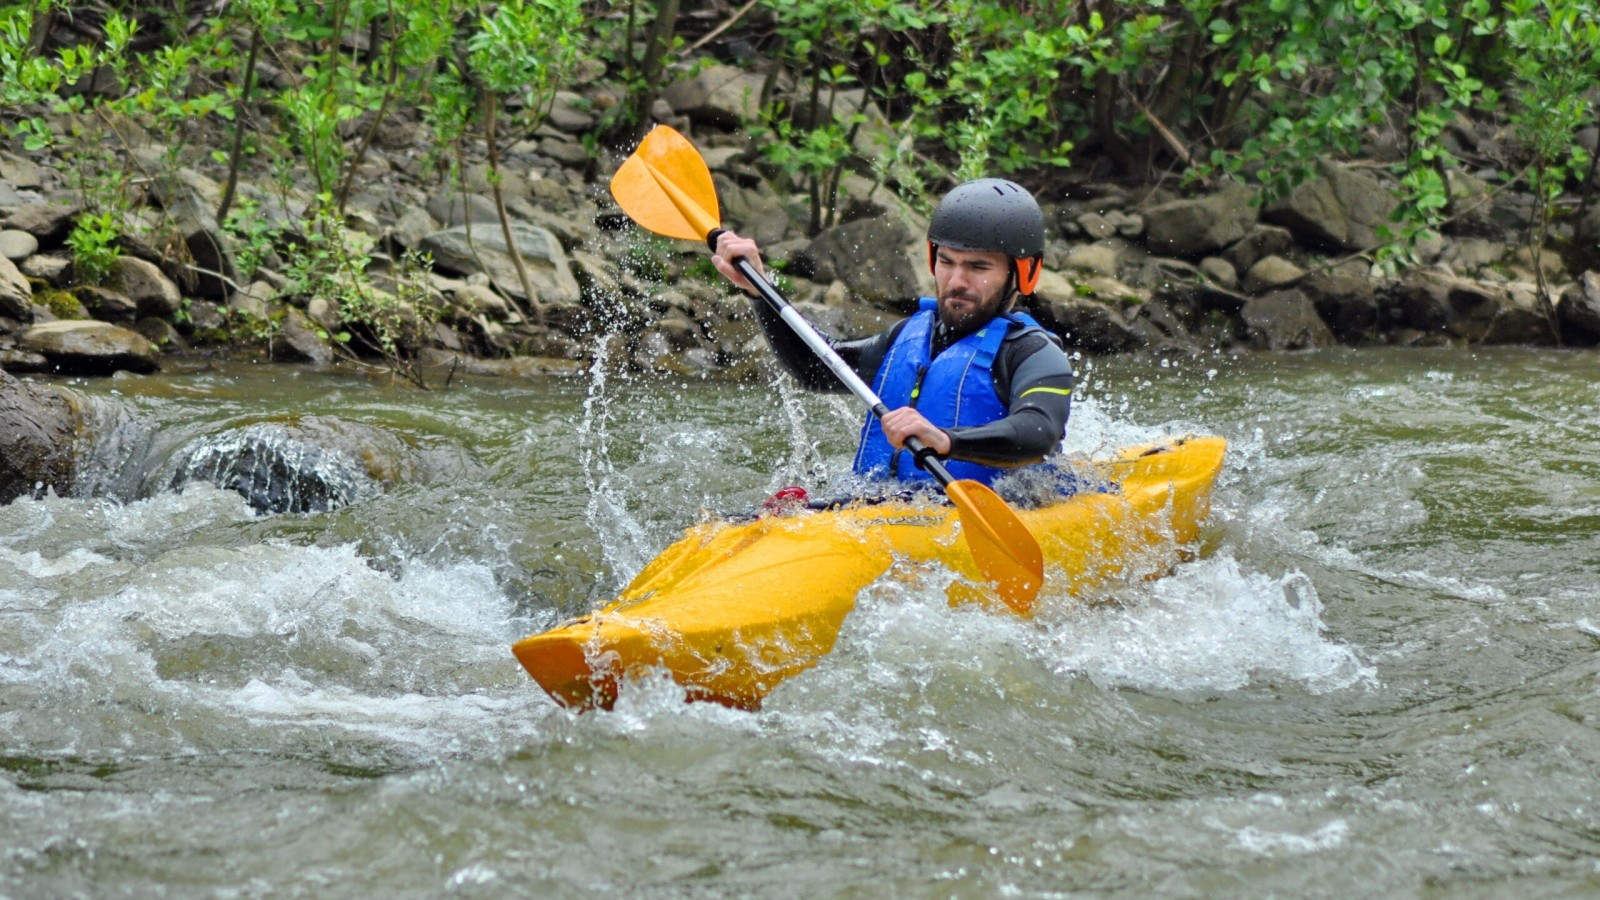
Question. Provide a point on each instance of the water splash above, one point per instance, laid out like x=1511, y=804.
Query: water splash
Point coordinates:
x=804, y=461
x=273, y=471
x=280, y=647
x=624, y=541
x=1209, y=627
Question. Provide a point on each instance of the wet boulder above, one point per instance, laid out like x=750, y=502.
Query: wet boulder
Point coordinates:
x=1284, y=320
x=16, y=295
x=274, y=469
x=1434, y=303
x=1340, y=209
x=882, y=259
x=1580, y=310
x=1474, y=311
x=1082, y=322
x=305, y=464
x=38, y=425
x=1090, y=325
x=152, y=292
x=1348, y=304
x=47, y=222
x=76, y=347
x=300, y=341
x=1521, y=316
x=1166, y=323
x=469, y=250
x=1201, y=226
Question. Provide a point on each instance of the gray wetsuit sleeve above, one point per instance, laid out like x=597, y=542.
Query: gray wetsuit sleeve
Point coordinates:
x=1038, y=383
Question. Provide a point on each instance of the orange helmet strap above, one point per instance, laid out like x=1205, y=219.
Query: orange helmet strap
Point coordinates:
x=1028, y=271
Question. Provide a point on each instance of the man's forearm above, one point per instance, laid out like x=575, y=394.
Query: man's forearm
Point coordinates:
x=1040, y=405
x=1026, y=436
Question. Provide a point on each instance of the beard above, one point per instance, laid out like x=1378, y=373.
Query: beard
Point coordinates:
x=963, y=312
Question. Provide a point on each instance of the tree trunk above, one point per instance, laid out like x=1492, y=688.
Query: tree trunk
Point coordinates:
x=647, y=88
x=237, y=155
x=490, y=115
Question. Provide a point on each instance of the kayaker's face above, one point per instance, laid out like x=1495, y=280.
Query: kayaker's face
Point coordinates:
x=971, y=286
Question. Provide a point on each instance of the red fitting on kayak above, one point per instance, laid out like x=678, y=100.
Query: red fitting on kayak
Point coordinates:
x=786, y=500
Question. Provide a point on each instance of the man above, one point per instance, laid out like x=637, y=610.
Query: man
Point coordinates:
x=986, y=388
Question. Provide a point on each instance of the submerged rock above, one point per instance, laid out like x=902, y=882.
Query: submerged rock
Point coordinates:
x=275, y=470
x=307, y=464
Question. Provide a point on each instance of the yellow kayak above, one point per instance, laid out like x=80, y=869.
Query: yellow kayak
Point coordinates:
x=734, y=608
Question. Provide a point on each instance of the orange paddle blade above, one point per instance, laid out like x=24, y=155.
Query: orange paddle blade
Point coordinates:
x=665, y=187
x=1005, y=551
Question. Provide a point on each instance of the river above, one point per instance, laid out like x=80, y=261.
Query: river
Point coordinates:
x=1379, y=678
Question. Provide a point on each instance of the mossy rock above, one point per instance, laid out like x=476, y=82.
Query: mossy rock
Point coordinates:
x=210, y=336
x=62, y=304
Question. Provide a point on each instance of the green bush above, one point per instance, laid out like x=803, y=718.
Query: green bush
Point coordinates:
x=913, y=94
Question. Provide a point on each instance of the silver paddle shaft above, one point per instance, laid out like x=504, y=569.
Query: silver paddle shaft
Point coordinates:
x=819, y=345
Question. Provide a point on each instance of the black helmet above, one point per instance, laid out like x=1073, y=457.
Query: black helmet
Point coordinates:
x=992, y=215
x=989, y=214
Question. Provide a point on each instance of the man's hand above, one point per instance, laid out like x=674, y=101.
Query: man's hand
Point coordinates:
x=906, y=422
x=730, y=246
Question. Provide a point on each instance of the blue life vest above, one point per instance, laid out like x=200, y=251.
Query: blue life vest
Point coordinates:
x=956, y=389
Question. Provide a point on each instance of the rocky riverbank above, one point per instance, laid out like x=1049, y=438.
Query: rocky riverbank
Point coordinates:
x=1131, y=268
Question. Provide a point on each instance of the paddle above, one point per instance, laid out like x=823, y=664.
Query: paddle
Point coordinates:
x=666, y=187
